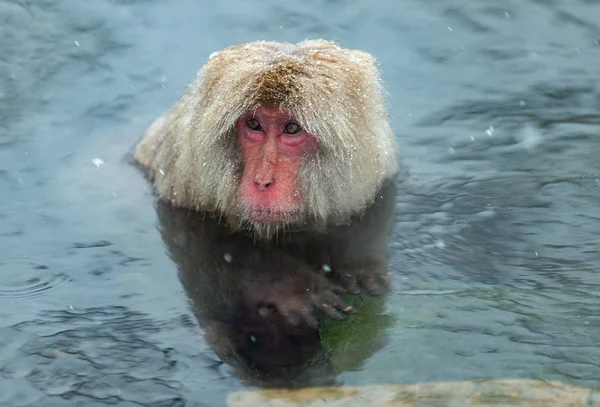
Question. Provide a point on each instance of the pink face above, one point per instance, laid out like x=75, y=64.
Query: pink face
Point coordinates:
x=273, y=144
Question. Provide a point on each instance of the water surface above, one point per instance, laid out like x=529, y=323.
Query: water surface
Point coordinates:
x=495, y=248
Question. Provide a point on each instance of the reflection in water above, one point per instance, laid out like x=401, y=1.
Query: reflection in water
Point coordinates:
x=257, y=301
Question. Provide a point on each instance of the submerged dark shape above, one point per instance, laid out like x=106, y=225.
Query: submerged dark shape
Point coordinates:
x=263, y=304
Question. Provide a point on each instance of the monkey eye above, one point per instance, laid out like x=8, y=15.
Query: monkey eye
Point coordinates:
x=253, y=124
x=292, y=128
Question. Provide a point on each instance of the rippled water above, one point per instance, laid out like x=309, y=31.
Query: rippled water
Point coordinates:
x=495, y=251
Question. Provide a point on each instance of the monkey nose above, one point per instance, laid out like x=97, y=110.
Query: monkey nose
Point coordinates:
x=264, y=177
x=263, y=184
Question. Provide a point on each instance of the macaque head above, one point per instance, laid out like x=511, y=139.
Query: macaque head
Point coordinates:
x=275, y=135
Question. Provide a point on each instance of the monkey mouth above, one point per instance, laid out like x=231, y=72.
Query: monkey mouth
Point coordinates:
x=271, y=215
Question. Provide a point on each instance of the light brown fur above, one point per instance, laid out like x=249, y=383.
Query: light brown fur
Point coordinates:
x=335, y=94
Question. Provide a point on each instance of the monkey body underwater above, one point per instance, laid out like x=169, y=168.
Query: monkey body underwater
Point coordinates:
x=275, y=136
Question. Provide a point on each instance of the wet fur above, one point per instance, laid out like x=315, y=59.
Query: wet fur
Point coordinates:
x=192, y=157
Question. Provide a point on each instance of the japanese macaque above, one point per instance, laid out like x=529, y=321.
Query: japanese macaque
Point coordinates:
x=281, y=137
x=275, y=136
